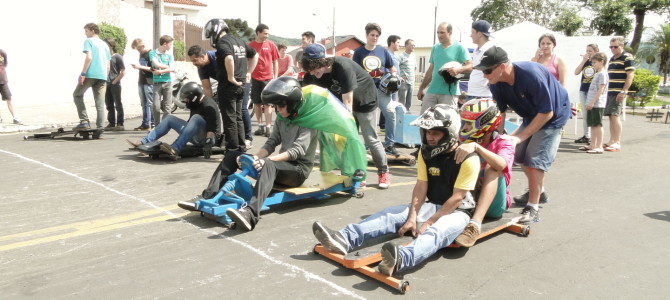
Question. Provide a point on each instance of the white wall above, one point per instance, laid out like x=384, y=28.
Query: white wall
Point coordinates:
x=45, y=52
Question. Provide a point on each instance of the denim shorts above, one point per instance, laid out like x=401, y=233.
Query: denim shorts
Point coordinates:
x=539, y=151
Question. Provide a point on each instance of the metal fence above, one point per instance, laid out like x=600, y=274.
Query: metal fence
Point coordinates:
x=191, y=35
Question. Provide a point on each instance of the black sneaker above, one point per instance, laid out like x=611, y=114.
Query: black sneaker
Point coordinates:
x=583, y=140
x=260, y=130
x=241, y=217
x=391, y=259
x=189, y=204
x=391, y=151
x=523, y=199
x=330, y=239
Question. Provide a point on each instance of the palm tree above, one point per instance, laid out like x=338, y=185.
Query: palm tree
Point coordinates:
x=658, y=47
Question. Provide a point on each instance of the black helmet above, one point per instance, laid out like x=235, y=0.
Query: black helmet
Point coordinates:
x=439, y=117
x=389, y=83
x=444, y=72
x=213, y=29
x=191, y=94
x=284, y=90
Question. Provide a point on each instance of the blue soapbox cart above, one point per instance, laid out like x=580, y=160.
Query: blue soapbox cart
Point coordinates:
x=239, y=188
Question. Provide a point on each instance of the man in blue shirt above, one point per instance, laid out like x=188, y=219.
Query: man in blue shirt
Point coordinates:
x=534, y=94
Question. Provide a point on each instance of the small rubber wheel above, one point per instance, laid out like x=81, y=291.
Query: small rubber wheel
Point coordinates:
x=202, y=214
x=360, y=194
x=412, y=162
x=25, y=137
x=404, y=286
x=85, y=135
x=525, y=231
x=232, y=225
x=154, y=156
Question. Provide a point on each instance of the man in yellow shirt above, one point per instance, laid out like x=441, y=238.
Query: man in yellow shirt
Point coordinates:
x=441, y=204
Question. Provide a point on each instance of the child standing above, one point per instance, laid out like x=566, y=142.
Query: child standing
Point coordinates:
x=596, y=100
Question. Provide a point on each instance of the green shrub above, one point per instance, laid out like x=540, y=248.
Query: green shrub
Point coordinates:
x=645, y=84
x=119, y=35
x=179, y=50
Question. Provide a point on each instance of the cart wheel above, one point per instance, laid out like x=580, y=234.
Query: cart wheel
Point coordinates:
x=85, y=135
x=154, y=156
x=404, y=286
x=411, y=161
x=525, y=231
x=314, y=249
x=232, y=225
x=202, y=214
x=360, y=194
x=25, y=137
x=96, y=136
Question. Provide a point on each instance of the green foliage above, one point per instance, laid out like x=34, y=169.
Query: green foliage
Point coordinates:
x=119, y=35
x=657, y=49
x=645, y=83
x=240, y=29
x=503, y=14
x=286, y=41
x=179, y=50
x=611, y=17
x=568, y=21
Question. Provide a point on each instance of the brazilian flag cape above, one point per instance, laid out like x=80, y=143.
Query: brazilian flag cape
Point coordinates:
x=340, y=146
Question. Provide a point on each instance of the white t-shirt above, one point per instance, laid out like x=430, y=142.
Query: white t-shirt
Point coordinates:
x=598, y=79
x=478, y=85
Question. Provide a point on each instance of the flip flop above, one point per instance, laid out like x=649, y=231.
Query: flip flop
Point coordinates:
x=594, y=151
x=613, y=148
x=584, y=148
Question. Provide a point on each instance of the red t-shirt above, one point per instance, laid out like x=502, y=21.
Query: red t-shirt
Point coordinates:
x=267, y=53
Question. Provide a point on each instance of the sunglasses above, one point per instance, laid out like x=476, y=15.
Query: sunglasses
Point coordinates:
x=614, y=47
x=490, y=70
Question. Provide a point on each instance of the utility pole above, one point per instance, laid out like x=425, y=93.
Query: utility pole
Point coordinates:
x=158, y=13
x=334, y=42
x=259, y=12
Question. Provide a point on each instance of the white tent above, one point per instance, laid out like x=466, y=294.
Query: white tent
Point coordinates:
x=521, y=41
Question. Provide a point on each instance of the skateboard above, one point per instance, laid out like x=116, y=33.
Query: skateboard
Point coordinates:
x=238, y=191
x=407, y=159
x=154, y=151
x=366, y=258
x=84, y=134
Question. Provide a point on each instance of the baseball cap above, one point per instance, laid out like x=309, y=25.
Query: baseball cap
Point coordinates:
x=494, y=56
x=314, y=51
x=482, y=26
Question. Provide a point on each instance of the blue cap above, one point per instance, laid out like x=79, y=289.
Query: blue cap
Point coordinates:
x=482, y=26
x=314, y=51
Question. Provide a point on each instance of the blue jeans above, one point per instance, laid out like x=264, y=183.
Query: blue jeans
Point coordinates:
x=383, y=101
x=582, y=101
x=388, y=221
x=246, y=119
x=405, y=94
x=146, y=100
x=192, y=131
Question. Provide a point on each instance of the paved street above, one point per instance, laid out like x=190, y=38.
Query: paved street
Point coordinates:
x=94, y=220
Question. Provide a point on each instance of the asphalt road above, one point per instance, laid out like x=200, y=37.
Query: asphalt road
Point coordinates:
x=94, y=220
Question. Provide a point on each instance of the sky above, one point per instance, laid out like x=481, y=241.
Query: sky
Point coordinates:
x=408, y=19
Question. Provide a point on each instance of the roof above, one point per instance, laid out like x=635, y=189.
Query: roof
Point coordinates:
x=339, y=39
x=185, y=2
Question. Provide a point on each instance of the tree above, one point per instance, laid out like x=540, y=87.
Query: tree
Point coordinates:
x=640, y=9
x=240, y=29
x=658, y=49
x=119, y=35
x=611, y=17
x=568, y=21
x=503, y=14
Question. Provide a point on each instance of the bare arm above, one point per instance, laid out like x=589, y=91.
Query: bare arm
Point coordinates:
x=251, y=65
x=629, y=81
x=600, y=91
x=536, y=124
x=87, y=62
x=122, y=73
x=348, y=100
x=581, y=64
x=562, y=70
x=492, y=159
x=230, y=70
x=275, y=68
x=426, y=80
x=207, y=87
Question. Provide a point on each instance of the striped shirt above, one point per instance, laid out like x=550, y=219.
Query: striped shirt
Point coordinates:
x=617, y=72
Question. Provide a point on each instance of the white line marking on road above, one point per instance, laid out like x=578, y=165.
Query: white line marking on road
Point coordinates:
x=212, y=232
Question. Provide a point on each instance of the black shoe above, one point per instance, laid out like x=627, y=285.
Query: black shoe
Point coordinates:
x=189, y=204
x=523, y=199
x=583, y=140
x=241, y=217
x=392, y=151
x=391, y=259
x=330, y=239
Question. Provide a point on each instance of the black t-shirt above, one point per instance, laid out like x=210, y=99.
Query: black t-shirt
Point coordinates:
x=230, y=45
x=345, y=77
x=146, y=77
x=209, y=111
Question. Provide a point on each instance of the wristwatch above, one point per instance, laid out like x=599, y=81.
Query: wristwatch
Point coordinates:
x=624, y=92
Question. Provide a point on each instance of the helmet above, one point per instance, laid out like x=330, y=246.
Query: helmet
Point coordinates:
x=445, y=73
x=439, y=117
x=213, y=29
x=191, y=94
x=389, y=83
x=483, y=114
x=283, y=90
